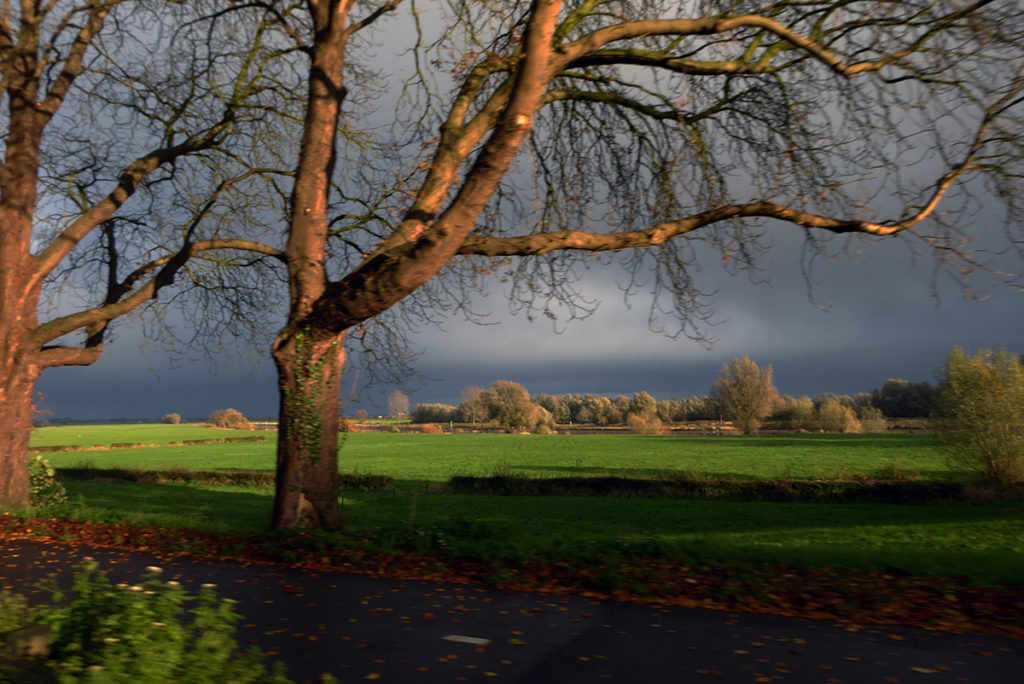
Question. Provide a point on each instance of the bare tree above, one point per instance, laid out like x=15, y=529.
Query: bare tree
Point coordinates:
x=398, y=404
x=537, y=133
x=115, y=121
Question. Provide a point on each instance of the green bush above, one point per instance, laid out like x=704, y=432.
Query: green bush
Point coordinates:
x=44, y=490
x=143, y=633
x=980, y=414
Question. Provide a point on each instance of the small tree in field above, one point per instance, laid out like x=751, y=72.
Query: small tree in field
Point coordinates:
x=835, y=417
x=746, y=392
x=171, y=419
x=472, y=407
x=229, y=418
x=980, y=413
x=398, y=404
x=508, y=403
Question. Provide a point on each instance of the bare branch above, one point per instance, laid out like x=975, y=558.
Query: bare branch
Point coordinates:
x=49, y=258
x=166, y=268
x=387, y=7
x=73, y=62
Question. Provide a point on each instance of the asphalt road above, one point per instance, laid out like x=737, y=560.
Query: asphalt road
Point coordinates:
x=359, y=627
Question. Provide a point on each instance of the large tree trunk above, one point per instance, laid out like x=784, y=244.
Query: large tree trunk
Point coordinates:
x=17, y=381
x=309, y=376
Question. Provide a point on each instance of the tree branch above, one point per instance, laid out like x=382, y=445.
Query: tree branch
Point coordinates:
x=544, y=243
x=50, y=357
x=680, y=65
x=166, y=269
x=590, y=44
x=130, y=179
x=73, y=64
x=372, y=17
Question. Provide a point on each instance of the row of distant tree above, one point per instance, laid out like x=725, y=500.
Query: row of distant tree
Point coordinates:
x=743, y=393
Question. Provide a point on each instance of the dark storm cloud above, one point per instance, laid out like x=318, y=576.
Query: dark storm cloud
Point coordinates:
x=877, y=319
x=882, y=322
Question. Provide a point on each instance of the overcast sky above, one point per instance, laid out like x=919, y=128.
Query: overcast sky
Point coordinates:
x=883, y=322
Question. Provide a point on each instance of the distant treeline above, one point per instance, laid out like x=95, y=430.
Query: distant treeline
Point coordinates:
x=894, y=399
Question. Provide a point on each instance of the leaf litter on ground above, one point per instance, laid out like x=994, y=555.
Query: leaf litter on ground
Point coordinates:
x=853, y=596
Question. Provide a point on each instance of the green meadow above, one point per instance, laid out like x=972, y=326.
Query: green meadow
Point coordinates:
x=982, y=542
x=411, y=458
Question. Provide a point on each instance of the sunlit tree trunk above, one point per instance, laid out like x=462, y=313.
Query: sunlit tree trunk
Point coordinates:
x=309, y=374
x=309, y=359
x=16, y=384
x=18, y=294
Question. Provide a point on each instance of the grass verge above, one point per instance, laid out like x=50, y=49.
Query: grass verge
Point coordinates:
x=979, y=543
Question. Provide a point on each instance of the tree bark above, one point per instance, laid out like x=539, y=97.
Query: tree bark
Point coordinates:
x=310, y=359
x=16, y=385
x=309, y=376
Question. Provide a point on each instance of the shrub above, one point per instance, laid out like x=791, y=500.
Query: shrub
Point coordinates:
x=229, y=418
x=541, y=421
x=431, y=429
x=747, y=393
x=872, y=419
x=834, y=417
x=171, y=419
x=140, y=633
x=646, y=423
x=44, y=490
x=980, y=414
x=346, y=425
x=435, y=413
x=362, y=415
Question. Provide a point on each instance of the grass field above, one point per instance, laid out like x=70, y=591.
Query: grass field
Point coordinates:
x=414, y=458
x=143, y=433
x=984, y=543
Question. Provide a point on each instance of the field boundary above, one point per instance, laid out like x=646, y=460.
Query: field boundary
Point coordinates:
x=730, y=489
x=248, y=478
x=61, y=448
